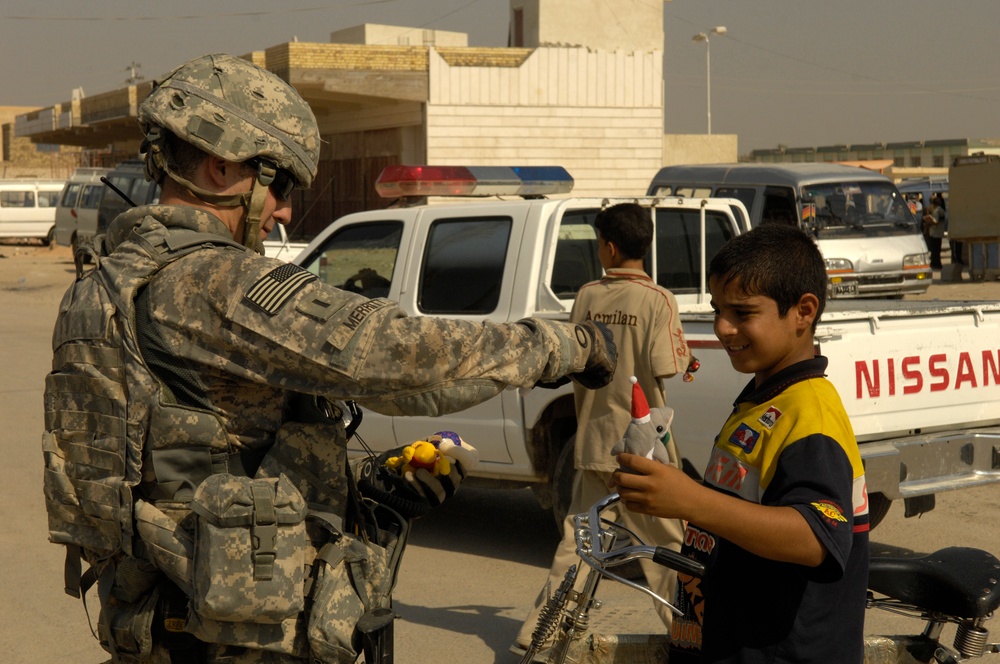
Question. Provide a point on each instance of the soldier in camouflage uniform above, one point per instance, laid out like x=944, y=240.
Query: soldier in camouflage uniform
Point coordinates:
x=201, y=392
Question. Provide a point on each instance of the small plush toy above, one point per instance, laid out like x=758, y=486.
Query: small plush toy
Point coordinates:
x=420, y=454
x=435, y=455
x=648, y=431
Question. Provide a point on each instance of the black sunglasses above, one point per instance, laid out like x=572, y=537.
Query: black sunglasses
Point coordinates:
x=283, y=184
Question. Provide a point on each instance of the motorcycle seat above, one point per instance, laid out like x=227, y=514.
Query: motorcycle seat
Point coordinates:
x=957, y=581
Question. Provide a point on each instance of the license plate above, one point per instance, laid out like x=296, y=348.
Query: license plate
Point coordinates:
x=845, y=290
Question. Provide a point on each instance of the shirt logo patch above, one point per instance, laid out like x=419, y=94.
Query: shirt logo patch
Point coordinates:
x=275, y=288
x=769, y=418
x=830, y=512
x=745, y=437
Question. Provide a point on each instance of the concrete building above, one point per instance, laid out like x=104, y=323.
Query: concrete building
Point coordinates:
x=20, y=158
x=576, y=90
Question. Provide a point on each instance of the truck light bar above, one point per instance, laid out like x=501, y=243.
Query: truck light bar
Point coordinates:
x=401, y=181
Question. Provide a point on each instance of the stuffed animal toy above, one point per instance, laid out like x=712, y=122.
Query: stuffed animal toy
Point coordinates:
x=435, y=455
x=420, y=454
x=648, y=431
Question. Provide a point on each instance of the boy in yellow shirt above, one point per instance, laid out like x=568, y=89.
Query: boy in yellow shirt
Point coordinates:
x=781, y=519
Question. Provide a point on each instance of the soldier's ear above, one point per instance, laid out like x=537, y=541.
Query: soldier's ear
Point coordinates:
x=215, y=171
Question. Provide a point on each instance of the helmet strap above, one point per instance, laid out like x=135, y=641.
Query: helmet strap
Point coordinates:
x=251, y=230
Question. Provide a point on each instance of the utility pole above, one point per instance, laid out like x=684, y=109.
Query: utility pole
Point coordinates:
x=134, y=75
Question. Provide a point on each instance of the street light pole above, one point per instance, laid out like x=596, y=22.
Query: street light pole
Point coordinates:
x=703, y=37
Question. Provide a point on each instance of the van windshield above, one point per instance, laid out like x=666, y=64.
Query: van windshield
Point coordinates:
x=853, y=209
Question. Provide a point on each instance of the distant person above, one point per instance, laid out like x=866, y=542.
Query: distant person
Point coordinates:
x=645, y=321
x=781, y=518
x=935, y=225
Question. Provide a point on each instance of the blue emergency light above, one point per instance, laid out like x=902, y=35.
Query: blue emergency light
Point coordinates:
x=402, y=181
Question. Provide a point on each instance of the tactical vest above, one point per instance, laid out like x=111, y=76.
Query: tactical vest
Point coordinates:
x=111, y=433
x=103, y=405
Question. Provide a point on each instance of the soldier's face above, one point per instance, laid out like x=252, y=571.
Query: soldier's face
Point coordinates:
x=276, y=211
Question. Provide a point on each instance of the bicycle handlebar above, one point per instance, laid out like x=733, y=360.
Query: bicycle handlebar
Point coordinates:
x=595, y=544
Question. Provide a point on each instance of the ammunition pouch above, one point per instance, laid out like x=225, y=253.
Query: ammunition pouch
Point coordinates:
x=289, y=561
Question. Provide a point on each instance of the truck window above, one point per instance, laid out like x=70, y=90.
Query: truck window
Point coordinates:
x=463, y=265
x=678, y=255
x=576, y=261
x=359, y=258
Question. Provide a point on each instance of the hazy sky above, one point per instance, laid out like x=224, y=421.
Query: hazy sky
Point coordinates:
x=794, y=72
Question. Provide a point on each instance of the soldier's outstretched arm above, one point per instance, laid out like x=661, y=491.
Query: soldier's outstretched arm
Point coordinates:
x=278, y=323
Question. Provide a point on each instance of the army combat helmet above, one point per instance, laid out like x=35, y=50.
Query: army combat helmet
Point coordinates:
x=237, y=111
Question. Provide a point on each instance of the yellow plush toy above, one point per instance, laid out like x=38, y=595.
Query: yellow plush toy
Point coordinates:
x=420, y=454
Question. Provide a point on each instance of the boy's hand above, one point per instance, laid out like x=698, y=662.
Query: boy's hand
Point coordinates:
x=653, y=488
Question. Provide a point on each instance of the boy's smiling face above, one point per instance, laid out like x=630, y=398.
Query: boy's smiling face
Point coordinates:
x=757, y=339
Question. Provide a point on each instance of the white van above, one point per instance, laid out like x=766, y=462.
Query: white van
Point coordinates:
x=28, y=208
x=76, y=214
x=870, y=240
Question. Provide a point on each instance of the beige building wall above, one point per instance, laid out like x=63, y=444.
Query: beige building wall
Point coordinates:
x=700, y=149
x=598, y=114
x=629, y=25
x=373, y=33
x=20, y=158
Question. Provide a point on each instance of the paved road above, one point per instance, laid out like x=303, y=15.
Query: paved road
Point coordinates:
x=472, y=568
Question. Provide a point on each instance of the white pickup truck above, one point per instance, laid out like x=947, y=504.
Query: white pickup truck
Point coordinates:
x=920, y=380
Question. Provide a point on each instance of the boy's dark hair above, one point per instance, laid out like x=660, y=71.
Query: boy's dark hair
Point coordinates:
x=774, y=260
x=628, y=226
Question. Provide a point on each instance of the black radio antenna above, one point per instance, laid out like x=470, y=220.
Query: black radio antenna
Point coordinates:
x=117, y=191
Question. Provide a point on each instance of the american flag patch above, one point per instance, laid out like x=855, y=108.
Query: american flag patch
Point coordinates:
x=275, y=288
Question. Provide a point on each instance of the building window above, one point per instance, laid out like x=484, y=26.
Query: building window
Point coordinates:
x=938, y=161
x=898, y=161
x=915, y=162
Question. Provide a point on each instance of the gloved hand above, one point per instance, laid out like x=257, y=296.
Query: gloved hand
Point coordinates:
x=384, y=486
x=603, y=358
x=436, y=487
x=411, y=487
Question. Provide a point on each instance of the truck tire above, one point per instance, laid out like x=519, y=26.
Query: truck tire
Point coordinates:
x=563, y=474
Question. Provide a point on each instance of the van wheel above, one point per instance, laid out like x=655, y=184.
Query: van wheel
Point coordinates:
x=563, y=474
x=50, y=237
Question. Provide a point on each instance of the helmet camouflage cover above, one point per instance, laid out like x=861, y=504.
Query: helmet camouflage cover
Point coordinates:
x=235, y=110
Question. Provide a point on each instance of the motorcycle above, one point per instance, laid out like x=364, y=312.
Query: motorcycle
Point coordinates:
x=955, y=585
